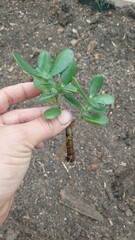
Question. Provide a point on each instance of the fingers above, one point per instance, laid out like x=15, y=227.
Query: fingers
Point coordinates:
x=22, y=115
x=17, y=93
x=38, y=130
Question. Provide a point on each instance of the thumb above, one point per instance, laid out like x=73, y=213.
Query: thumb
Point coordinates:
x=40, y=129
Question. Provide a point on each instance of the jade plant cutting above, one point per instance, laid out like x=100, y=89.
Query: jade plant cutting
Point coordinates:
x=56, y=80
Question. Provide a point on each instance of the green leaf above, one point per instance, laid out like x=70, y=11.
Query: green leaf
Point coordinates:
x=96, y=118
x=43, y=75
x=71, y=100
x=95, y=85
x=44, y=61
x=53, y=90
x=70, y=88
x=94, y=104
x=45, y=96
x=93, y=109
x=24, y=65
x=52, y=113
x=28, y=69
x=68, y=73
x=104, y=99
x=40, y=83
x=62, y=61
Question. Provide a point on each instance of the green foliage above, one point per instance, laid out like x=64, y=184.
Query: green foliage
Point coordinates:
x=63, y=60
x=101, y=5
x=96, y=118
x=52, y=113
x=68, y=74
x=71, y=100
x=95, y=85
x=56, y=79
x=44, y=62
x=104, y=99
x=28, y=69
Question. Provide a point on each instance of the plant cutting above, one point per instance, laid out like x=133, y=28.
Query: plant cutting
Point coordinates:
x=56, y=80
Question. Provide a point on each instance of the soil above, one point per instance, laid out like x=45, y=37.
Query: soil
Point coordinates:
x=94, y=197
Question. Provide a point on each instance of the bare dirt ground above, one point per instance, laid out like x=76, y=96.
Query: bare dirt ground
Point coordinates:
x=93, y=198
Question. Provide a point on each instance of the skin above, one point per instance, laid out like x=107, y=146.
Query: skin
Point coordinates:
x=20, y=132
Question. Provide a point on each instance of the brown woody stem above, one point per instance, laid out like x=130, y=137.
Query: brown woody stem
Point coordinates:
x=69, y=143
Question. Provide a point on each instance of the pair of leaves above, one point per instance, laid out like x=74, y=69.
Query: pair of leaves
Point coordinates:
x=64, y=60
x=27, y=68
x=97, y=102
x=95, y=86
x=46, y=66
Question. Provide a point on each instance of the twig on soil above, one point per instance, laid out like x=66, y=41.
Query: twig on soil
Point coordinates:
x=65, y=167
x=79, y=206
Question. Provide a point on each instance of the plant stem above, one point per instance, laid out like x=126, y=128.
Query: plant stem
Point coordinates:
x=80, y=89
x=69, y=143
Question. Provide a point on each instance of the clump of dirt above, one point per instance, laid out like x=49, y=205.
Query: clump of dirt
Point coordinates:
x=103, y=172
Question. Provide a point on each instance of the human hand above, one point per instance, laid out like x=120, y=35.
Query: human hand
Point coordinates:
x=20, y=132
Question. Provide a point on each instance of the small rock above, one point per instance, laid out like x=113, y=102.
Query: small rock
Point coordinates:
x=99, y=154
x=78, y=55
x=91, y=46
x=12, y=24
x=11, y=69
x=74, y=42
x=123, y=164
x=88, y=20
x=75, y=32
x=2, y=28
x=94, y=166
x=96, y=56
x=109, y=14
x=60, y=30
x=49, y=39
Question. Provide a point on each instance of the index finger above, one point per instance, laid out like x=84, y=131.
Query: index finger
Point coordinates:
x=16, y=93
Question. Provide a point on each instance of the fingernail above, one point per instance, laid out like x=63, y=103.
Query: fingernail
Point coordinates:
x=65, y=117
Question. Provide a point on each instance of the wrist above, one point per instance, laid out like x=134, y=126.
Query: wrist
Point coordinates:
x=4, y=209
